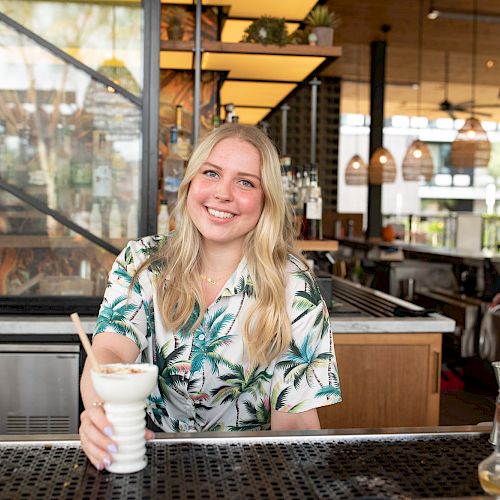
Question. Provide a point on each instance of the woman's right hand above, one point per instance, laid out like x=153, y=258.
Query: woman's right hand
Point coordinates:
x=95, y=436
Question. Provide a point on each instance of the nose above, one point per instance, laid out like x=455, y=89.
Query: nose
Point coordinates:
x=223, y=192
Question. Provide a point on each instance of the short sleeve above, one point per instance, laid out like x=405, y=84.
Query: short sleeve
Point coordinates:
x=122, y=310
x=306, y=375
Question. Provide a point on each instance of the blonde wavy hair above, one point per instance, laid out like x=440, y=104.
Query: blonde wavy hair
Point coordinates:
x=267, y=327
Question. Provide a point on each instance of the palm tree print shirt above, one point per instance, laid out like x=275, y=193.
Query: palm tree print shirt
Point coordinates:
x=204, y=382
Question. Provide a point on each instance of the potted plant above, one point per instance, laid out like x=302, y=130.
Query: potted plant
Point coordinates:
x=267, y=30
x=322, y=22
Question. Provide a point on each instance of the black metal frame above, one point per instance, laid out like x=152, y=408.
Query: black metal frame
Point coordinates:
x=149, y=104
x=62, y=219
x=150, y=116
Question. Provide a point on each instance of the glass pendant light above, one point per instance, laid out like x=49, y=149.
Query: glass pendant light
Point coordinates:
x=471, y=147
x=382, y=168
x=417, y=162
x=115, y=69
x=356, y=172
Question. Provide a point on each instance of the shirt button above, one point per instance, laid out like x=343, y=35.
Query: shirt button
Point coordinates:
x=201, y=337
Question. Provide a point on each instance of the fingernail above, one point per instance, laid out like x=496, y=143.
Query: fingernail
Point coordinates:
x=99, y=467
x=107, y=461
x=112, y=448
x=108, y=431
x=153, y=436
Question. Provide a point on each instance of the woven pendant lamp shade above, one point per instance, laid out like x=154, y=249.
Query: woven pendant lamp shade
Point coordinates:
x=417, y=162
x=382, y=167
x=471, y=147
x=356, y=172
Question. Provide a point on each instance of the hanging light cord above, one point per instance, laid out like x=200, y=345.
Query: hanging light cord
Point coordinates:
x=474, y=49
x=419, y=60
x=358, y=70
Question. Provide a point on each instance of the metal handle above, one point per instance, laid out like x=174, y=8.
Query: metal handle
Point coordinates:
x=437, y=366
x=41, y=348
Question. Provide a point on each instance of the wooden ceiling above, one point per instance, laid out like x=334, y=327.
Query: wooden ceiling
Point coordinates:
x=361, y=24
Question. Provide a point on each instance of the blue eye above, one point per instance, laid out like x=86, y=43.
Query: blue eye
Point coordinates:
x=246, y=183
x=210, y=173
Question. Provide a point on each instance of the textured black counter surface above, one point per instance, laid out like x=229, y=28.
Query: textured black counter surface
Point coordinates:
x=316, y=466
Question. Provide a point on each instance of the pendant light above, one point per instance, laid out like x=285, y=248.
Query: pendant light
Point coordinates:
x=417, y=162
x=382, y=167
x=471, y=147
x=356, y=172
x=115, y=69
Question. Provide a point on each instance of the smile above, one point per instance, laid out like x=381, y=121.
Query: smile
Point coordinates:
x=220, y=215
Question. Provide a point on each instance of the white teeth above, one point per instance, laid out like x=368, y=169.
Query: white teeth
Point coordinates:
x=222, y=215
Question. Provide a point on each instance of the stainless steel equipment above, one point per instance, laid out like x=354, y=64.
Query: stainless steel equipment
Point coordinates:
x=39, y=388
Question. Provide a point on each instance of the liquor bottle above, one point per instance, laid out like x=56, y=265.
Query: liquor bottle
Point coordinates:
x=312, y=215
x=115, y=221
x=229, y=113
x=132, y=225
x=313, y=208
x=183, y=139
x=173, y=169
x=102, y=180
x=95, y=225
x=285, y=162
x=80, y=216
x=3, y=156
x=215, y=121
x=163, y=224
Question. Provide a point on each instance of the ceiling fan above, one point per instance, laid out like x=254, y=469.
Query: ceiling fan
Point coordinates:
x=451, y=108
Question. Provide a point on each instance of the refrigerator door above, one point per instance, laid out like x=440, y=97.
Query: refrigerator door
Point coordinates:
x=39, y=390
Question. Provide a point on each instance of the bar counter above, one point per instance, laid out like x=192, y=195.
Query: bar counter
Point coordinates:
x=390, y=463
x=428, y=252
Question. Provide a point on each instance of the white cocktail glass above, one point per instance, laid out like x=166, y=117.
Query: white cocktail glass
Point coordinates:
x=124, y=389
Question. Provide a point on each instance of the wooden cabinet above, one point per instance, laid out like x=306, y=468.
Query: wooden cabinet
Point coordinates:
x=387, y=380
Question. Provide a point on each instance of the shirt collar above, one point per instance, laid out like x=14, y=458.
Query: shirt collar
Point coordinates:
x=239, y=281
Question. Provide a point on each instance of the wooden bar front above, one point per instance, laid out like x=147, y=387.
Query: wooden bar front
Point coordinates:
x=387, y=380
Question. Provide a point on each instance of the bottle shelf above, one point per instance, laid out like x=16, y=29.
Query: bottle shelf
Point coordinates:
x=35, y=241
x=317, y=245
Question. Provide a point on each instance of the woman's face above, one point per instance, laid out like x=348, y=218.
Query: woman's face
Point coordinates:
x=225, y=197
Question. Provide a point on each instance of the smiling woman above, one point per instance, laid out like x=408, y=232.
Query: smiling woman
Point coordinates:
x=224, y=306
x=225, y=199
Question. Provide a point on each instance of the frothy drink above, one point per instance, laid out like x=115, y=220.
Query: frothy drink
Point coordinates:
x=124, y=389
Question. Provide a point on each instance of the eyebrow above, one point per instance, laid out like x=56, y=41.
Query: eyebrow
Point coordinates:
x=243, y=174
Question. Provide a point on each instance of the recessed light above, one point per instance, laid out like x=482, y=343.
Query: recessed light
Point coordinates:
x=490, y=63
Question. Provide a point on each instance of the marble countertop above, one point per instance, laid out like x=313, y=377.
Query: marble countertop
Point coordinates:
x=436, y=323
x=43, y=326
x=55, y=327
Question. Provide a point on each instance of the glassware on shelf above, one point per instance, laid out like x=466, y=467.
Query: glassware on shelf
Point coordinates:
x=163, y=218
x=489, y=469
x=115, y=221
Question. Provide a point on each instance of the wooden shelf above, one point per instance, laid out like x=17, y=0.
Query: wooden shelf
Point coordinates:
x=317, y=245
x=253, y=48
x=34, y=241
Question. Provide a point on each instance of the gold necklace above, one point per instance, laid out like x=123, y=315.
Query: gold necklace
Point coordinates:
x=210, y=280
